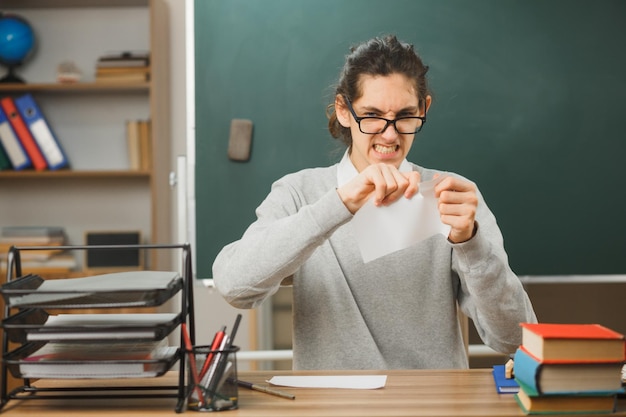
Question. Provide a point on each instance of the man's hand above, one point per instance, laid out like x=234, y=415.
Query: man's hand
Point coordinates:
x=383, y=182
x=457, y=207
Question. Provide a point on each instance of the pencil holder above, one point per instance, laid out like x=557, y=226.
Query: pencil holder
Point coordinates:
x=212, y=379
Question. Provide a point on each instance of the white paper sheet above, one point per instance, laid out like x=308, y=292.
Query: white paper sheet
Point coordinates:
x=386, y=229
x=335, y=381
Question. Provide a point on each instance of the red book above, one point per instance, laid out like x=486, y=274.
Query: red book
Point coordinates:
x=566, y=343
x=23, y=133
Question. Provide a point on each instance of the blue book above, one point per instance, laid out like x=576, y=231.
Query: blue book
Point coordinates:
x=573, y=378
x=504, y=385
x=12, y=145
x=42, y=133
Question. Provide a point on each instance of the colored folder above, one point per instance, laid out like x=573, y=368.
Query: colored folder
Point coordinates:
x=12, y=145
x=41, y=132
x=23, y=133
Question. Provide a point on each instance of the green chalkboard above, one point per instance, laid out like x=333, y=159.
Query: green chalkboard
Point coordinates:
x=529, y=102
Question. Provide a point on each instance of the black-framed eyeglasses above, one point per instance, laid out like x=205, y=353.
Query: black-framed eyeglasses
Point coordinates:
x=370, y=125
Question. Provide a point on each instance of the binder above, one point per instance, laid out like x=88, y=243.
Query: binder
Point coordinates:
x=23, y=133
x=41, y=132
x=12, y=145
x=5, y=162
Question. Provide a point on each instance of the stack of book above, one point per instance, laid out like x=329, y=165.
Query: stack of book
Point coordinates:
x=123, y=67
x=41, y=261
x=26, y=138
x=568, y=368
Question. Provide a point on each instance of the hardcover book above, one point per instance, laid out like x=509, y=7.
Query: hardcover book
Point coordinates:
x=566, y=378
x=549, y=342
x=565, y=404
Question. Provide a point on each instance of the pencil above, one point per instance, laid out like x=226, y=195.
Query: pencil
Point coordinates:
x=192, y=362
x=265, y=389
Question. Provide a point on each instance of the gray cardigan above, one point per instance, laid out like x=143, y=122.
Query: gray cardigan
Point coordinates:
x=398, y=311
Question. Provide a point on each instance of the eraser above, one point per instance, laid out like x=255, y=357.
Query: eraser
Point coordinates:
x=240, y=139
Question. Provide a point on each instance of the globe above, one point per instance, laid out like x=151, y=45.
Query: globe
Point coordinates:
x=17, y=41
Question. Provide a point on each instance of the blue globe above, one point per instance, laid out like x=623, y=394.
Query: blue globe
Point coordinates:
x=17, y=41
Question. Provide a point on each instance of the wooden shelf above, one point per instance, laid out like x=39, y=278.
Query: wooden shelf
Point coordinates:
x=12, y=4
x=72, y=174
x=75, y=87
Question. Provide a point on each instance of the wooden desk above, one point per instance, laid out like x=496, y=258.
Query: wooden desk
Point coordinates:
x=407, y=393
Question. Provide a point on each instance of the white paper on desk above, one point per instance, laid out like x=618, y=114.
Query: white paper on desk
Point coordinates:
x=382, y=230
x=334, y=381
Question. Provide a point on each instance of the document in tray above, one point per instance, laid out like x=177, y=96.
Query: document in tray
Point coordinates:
x=331, y=381
x=110, y=360
x=102, y=326
x=59, y=290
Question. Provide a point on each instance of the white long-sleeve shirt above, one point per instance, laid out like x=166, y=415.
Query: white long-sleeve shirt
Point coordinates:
x=398, y=311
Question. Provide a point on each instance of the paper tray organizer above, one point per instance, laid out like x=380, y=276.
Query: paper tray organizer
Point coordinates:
x=35, y=330
x=31, y=291
x=35, y=324
x=91, y=369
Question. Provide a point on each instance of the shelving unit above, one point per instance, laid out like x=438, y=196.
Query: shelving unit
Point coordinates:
x=25, y=332
x=98, y=191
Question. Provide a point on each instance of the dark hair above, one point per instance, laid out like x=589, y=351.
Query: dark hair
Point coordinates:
x=378, y=56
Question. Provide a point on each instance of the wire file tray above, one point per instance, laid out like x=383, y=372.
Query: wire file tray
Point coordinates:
x=58, y=346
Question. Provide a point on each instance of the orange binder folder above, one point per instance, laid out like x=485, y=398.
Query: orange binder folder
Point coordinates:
x=23, y=133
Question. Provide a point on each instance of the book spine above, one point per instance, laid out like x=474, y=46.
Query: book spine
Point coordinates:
x=526, y=370
x=12, y=145
x=132, y=140
x=23, y=133
x=41, y=131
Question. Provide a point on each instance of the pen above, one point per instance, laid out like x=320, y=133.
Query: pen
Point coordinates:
x=222, y=357
x=265, y=389
x=215, y=345
x=192, y=361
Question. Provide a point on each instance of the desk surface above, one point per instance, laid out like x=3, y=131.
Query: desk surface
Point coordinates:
x=407, y=393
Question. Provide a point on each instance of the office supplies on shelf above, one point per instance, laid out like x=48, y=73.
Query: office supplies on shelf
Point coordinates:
x=34, y=234
x=267, y=390
x=145, y=145
x=124, y=59
x=132, y=142
x=41, y=131
x=5, y=162
x=23, y=133
x=12, y=145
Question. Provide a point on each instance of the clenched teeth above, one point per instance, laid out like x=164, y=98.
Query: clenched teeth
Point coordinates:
x=385, y=149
